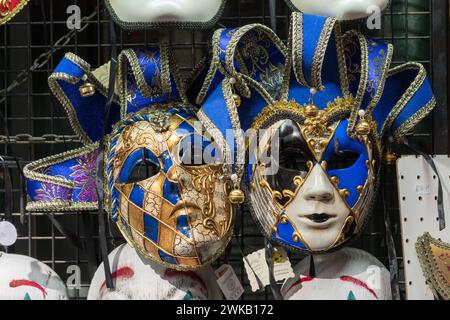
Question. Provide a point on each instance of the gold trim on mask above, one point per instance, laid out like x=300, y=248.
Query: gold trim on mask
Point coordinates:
x=277, y=195
x=296, y=235
x=204, y=179
x=434, y=257
x=354, y=216
x=138, y=131
x=316, y=132
x=318, y=129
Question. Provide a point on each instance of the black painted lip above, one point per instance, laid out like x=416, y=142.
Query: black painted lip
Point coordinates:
x=319, y=217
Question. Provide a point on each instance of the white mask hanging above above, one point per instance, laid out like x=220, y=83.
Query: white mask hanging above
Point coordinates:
x=340, y=9
x=191, y=14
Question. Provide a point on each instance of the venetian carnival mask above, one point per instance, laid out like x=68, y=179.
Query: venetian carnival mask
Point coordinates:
x=25, y=278
x=316, y=203
x=167, y=201
x=164, y=185
x=153, y=13
x=313, y=116
x=138, y=279
x=340, y=9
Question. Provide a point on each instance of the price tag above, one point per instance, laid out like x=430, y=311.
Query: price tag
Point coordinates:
x=229, y=282
x=423, y=190
x=258, y=270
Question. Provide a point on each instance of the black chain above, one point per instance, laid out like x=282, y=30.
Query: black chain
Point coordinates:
x=49, y=138
x=45, y=57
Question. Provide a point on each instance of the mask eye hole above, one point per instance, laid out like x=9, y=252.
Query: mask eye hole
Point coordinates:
x=139, y=166
x=342, y=159
x=293, y=159
x=293, y=152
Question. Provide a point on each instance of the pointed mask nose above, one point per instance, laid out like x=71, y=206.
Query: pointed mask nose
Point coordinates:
x=318, y=187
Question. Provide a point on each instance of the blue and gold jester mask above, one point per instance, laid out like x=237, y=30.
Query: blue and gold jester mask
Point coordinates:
x=317, y=111
x=169, y=204
x=169, y=201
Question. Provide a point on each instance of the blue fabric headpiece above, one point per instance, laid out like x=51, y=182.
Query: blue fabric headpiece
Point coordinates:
x=145, y=77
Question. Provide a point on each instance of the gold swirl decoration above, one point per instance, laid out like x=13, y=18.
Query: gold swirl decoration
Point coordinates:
x=204, y=180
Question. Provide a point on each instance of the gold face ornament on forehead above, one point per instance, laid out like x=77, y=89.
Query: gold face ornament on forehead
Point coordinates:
x=168, y=202
x=319, y=182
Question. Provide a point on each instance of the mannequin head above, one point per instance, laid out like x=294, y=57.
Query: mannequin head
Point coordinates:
x=340, y=9
x=348, y=274
x=137, y=279
x=25, y=278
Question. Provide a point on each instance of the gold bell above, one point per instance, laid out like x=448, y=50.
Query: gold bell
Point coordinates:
x=311, y=111
x=237, y=100
x=363, y=128
x=236, y=196
x=87, y=89
x=390, y=158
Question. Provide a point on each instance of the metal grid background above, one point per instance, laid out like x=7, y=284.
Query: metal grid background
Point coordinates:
x=39, y=126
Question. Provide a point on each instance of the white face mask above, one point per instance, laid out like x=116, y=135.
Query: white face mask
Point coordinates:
x=318, y=194
x=200, y=12
x=318, y=197
x=340, y=9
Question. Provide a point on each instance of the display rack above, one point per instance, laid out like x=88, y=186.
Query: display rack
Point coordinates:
x=38, y=126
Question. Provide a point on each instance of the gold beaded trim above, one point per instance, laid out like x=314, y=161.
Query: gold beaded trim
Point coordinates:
x=409, y=93
x=437, y=282
x=59, y=93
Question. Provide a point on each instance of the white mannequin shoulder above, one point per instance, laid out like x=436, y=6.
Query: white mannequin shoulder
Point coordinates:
x=25, y=278
x=347, y=274
x=137, y=279
x=340, y=9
